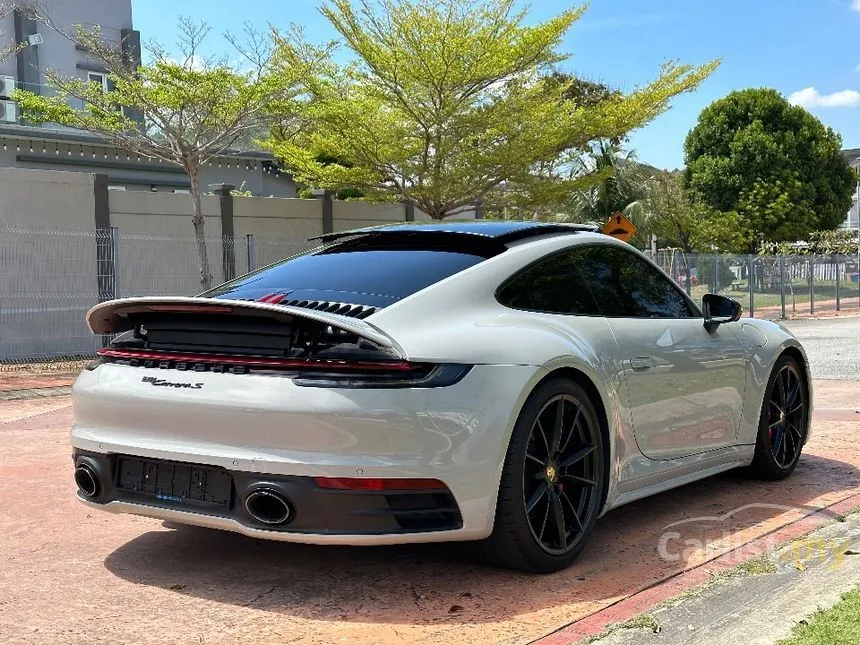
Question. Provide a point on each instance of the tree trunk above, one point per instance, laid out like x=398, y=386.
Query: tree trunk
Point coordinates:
x=199, y=233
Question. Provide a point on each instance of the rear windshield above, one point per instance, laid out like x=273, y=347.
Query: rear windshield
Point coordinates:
x=365, y=274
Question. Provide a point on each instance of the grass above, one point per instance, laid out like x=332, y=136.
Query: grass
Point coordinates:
x=839, y=624
x=643, y=621
x=758, y=566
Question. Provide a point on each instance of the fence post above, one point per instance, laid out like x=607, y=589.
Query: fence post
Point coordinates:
x=836, y=260
x=225, y=203
x=324, y=196
x=249, y=239
x=811, y=287
x=716, y=273
x=782, y=286
x=114, y=259
x=751, y=283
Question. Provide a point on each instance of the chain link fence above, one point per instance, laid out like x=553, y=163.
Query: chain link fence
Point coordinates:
x=49, y=280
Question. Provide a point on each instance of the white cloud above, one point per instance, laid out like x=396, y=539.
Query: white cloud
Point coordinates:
x=857, y=69
x=809, y=97
x=855, y=5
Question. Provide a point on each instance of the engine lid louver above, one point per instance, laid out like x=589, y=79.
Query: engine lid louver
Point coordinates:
x=340, y=308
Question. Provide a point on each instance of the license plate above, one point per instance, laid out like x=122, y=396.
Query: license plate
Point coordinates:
x=174, y=482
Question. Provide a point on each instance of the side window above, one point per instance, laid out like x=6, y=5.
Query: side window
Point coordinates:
x=626, y=286
x=552, y=285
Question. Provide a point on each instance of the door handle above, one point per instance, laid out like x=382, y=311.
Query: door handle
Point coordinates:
x=641, y=362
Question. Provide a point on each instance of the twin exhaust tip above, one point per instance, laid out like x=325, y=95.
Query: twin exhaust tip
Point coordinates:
x=87, y=481
x=268, y=506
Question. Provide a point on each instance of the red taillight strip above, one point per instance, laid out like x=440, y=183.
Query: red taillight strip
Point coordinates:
x=255, y=361
x=362, y=483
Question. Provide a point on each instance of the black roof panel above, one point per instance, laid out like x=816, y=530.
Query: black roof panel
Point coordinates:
x=501, y=230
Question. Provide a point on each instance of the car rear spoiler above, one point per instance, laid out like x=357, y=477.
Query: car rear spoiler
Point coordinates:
x=115, y=316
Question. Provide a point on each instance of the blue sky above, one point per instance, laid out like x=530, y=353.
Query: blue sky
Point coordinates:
x=807, y=49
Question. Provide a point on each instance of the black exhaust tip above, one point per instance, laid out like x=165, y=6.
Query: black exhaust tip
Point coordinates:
x=87, y=481
x=268, y=506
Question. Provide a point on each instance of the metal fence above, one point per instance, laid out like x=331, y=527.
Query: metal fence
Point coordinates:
x=50, y=279
x=773, y=287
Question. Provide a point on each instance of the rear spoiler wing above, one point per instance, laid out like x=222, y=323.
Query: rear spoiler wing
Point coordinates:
x=113, y=316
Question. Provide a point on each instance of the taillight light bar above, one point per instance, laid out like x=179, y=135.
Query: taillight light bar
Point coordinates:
x=379, y=484
x=258, y=361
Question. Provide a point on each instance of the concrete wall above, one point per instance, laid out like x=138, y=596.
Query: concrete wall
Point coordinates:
x=157, y=249
x=349, y=215
x=46, y=199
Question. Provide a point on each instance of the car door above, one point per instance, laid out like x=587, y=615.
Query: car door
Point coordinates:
x=685, y=384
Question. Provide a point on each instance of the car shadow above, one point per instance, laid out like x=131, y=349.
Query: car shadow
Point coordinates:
x=408, y=584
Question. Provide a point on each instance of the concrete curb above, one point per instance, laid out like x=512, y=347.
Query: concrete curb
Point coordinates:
x=648, y=597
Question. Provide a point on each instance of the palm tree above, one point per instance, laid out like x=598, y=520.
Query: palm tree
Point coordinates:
x=621, y=185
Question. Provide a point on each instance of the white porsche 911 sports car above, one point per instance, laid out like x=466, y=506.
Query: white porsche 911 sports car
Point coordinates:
x=504, y=382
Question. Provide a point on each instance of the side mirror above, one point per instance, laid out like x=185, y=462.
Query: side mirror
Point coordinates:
x=719, y=309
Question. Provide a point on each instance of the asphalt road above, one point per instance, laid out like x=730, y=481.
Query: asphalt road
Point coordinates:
x=833, y=346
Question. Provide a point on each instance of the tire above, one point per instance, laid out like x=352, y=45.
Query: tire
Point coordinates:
x=532, y=540
x=782, y=426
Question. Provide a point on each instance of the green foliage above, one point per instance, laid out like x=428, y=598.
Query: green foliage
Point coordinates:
x=775, y=167
x=446, y=102
x=618, y=184
x=669, y=214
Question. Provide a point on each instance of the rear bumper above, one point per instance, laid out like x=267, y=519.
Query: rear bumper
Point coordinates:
x=195, y=492
x=265, y=429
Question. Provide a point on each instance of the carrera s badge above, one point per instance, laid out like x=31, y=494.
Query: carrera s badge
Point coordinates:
x=160, y=382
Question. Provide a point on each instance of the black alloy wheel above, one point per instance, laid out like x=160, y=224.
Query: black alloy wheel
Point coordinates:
x=552, y=484
x=783, y=423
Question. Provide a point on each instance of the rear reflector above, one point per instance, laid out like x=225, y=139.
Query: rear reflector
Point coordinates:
x=253, y=361
x=355, y=483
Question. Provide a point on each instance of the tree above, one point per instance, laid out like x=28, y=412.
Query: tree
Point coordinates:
x=183, y=112
x=448, y=101
x=773, y=165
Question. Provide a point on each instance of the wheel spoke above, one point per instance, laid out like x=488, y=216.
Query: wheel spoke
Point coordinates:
x=793, y=393
x=539, y=427
x=789, y=455
x=795, y=409
x=540, y=462
x=794, y=430
x=780, y=381
x=557, y=428
x=572, y=510
x=536, y=497
x=580, y=480
x=572, y=431
x=578, y=456
x=777, y=442
x=558, y=518
x=543, y=524
x=776, y=405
